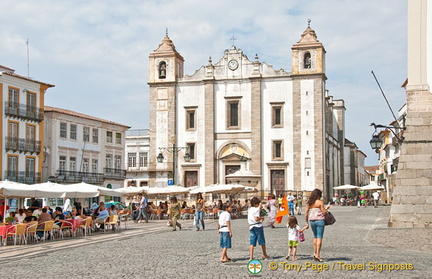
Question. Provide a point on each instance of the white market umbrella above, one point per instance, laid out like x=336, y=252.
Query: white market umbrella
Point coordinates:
x=18, y=190
x=372, y=186
x=169, y=190
x=248, y=189
x=80, y=190
x=346, y=187
x=219, y=188
x=102, y=190
x=131, y=191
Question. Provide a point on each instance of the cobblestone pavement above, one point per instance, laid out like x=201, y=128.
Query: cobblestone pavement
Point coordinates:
x=358, y=239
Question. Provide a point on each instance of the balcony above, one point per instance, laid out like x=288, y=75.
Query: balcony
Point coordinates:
x=114, y=173
x=13, y=109
x=22, y=145
x=23, y=177
x=137, y=168
x=64, y=176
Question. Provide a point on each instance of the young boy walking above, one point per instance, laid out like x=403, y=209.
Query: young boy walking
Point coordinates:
x=225, y=233
x=256, y=229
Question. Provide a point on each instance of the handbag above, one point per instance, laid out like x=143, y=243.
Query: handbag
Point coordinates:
x=329, y=219
x=301, y=237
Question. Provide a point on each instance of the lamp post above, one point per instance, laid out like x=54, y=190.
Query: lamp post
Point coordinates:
x=376, y=142
x=174, y=150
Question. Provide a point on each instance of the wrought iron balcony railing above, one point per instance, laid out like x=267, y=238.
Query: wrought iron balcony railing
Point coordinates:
x=23, y=111
x=64, y=176
x=22, y=145
x=23, y=177
x=114, y=173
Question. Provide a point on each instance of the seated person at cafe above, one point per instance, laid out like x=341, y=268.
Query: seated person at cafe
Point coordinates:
x=59, y=217
x=37, y=211
x=101, y=213
x=44, y=216
x=20, y=215
x=74, y=214
x=30, y=217
x=113, y=210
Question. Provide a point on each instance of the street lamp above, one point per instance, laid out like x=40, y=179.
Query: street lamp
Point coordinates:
x=376, y=142
x=174, y=150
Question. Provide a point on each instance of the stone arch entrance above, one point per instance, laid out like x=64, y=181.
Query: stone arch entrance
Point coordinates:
x=228, y=159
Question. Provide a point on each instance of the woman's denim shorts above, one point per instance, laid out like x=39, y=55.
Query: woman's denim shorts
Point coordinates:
x=317, y=227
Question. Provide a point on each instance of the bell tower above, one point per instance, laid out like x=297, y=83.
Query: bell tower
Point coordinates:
x=308, y=74
x=166, y=68
x=308, y=54
x=166, y=64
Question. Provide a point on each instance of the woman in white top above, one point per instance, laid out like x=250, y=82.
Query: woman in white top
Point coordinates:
x=20, y=216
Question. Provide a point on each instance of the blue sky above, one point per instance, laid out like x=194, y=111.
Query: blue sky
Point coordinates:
x=96, y=52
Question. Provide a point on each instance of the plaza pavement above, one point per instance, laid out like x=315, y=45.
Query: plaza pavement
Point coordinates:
x=358, y=239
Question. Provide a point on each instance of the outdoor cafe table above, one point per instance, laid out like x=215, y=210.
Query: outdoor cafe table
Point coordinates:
x=3, y=232
x=74, y=223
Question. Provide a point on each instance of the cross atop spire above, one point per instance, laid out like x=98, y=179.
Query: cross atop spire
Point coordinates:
x=166, y=32
x=309, y=21
x=233, y=39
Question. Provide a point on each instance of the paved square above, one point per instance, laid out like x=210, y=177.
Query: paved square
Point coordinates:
x=358, y=240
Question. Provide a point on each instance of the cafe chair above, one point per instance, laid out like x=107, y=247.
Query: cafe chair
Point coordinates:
x=31, y=231
x=48, y=229
x=66, y=226
x=113, y=221
x=87, y=226
x=124, y=219
x=17, y=231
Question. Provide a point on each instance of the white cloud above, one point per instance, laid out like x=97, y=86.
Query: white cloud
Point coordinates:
x=96, y=52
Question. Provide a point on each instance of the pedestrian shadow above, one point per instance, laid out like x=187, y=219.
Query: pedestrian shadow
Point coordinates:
x=339, y=259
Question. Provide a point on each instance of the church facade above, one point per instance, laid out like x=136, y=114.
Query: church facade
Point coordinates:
x=240, y=120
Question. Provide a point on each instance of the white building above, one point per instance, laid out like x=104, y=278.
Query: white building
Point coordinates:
x=137, y=160
x=355, y=173
x=83, y=148
x=389, y=153
x=22, y=127
x=290, y=131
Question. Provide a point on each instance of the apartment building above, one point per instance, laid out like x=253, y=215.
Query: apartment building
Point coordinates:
x=22, y=127
x=83, y=148
x=137, y=154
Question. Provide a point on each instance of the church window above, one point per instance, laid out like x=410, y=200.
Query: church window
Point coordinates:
x=162, y=70
x=277, y=115
x=307, y=60
x=191, y=151
x=233, y=114
x=190, y=119
x=277, y=150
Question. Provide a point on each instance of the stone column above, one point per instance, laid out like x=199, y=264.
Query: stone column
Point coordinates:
x=255, y=164
x=412, y=196
x=209, y=134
